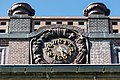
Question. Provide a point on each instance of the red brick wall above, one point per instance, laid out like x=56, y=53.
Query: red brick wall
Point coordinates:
x=18, y=52
x=100, y=52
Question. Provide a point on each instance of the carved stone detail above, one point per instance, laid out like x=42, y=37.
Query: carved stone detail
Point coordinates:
x=59, y=46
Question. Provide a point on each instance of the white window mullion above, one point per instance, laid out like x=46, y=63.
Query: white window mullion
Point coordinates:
x=119, y=57
x=2, y=56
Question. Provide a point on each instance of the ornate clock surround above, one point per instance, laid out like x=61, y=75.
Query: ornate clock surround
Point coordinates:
x=59, y=44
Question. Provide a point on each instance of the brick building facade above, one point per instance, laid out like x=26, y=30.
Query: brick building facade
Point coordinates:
x=85, y=48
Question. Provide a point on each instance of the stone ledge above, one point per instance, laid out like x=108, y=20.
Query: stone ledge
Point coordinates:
x=53, y=68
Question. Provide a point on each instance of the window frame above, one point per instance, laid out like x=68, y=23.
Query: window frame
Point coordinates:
x=81, y=23
x=6, y=31
x=114, y=23
x=59, y=22
x=117, y=52
x=3, y=55
x=37, y=23
x=2, y=30
x=2, y=23
x=115, y=30
x=69, y=23
x=48, y=22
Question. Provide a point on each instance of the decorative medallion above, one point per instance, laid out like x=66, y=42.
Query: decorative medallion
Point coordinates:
x=59, y=46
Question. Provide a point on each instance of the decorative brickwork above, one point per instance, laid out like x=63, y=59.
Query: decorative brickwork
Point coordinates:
x=100, y=52
x=20, y=24
x=18, y=52
x=98, y=24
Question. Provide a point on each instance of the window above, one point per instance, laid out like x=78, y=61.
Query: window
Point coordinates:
x=114, y=23
x=80, y=23
x=48, y=23
x=115, y=31
x=70, y=23
x=59, y=22
x=2, y=31
x=117, y=54
x=3, y=23
x=119, y=57
x=37, y=23
x=2, y=55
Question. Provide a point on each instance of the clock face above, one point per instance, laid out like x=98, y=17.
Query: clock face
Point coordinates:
x=58, y=46
x=59, y=51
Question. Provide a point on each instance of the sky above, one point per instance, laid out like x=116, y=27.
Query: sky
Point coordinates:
x=60, y=7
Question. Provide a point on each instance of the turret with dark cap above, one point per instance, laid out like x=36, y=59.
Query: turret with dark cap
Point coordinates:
x=96, y=8
x=21, y=8
x=20, y=13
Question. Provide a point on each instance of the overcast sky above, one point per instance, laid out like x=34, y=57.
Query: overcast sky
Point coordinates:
x=60, y=7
